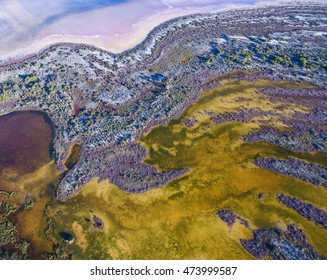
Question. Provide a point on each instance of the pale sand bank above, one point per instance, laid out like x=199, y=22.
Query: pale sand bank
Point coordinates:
x=115, y=28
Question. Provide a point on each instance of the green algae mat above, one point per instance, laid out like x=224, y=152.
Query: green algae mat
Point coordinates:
x=178, y=220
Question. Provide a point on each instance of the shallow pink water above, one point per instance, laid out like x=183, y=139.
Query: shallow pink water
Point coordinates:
x=28, y=26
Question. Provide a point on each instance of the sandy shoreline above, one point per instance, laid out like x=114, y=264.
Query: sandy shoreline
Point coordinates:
x=115, y=43
x=126, y=38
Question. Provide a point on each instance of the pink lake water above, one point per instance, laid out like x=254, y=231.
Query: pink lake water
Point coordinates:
x=26, y=26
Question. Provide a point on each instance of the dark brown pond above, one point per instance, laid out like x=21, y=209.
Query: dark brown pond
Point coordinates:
x=25, y=141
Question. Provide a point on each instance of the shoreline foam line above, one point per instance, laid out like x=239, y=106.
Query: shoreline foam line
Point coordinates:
x=127, y=41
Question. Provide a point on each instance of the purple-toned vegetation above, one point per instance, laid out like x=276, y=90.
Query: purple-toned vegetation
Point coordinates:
x=189, y=123
x=291, y=139
x=307, y=210
x=130, y=174
x=105, y=101
x=123, y=166
x=243, y=116
x=312, y=173
x=306, y=131
x=321, y=92
x=230, y=218
x=274, y=243
x=97, y=222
